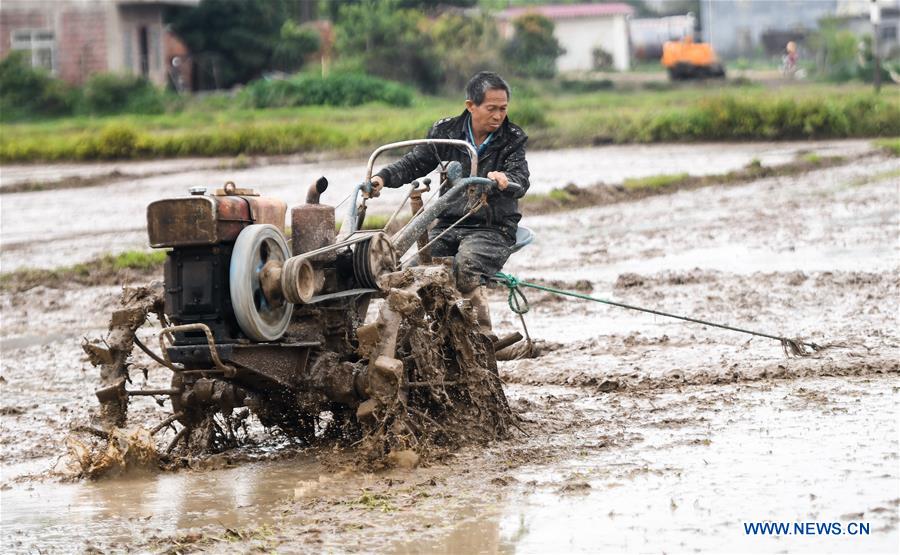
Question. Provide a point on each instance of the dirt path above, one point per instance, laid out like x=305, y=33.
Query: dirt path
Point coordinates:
x=644, y=434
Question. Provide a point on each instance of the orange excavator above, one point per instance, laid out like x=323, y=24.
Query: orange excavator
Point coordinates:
x=686, y=59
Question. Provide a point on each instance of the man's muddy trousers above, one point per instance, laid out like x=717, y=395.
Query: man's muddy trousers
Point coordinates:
x=478, y=253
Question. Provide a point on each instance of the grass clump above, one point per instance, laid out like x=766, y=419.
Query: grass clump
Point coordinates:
x=812, y=158
x=869, y=179
x=654, y=181
x=891, y=146
x=135, y=260
x=107, y=269
x=558, y=197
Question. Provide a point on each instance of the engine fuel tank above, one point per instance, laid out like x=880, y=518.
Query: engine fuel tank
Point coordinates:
x=201, y=219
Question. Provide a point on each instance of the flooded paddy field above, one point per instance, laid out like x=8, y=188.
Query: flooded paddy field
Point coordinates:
x=33, y=237
x=639, y=433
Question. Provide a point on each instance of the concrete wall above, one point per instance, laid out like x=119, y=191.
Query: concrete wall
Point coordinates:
x=580, y=36
x=734, y=27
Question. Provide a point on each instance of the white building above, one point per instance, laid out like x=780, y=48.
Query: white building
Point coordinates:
x=588, y=32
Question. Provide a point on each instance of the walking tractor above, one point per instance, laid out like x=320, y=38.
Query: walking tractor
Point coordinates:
x=253, y=326
x=256, y=323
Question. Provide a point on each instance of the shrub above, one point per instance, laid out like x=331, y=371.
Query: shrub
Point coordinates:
x=116, y=141
x=836, y=51
x=532, y=51
x=347, y=89
x=527, y=113
x=26, y=92
x=106, y=93
x=735, y=118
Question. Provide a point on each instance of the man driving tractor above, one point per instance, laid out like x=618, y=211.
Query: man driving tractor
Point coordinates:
x=481, y=243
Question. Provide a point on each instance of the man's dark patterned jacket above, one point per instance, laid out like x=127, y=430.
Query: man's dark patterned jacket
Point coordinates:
x=505, y=152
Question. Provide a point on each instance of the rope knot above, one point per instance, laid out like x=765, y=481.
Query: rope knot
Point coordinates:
x=517, y=301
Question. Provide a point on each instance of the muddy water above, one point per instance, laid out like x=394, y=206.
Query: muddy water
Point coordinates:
x=643, y=434
x=31, y=237
x=59, y=517
x=703, y=468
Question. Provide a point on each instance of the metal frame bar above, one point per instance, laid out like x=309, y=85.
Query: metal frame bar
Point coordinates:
x=228, y=371
x=349, y=224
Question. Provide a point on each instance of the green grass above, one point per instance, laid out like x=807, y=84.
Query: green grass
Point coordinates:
x=136, y=260
x=868, y=179
x=559, y=195
x=654, y=181
x=100, y=270
x=555, y=197
x=218, y=126
x=812, y=158
x=891, y=146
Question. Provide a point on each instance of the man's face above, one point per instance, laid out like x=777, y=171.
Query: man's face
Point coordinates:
x=488, y=117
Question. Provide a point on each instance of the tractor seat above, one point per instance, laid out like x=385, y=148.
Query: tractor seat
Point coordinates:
x=524, y=236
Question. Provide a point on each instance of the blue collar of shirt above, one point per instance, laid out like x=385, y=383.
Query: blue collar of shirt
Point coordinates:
x=471, y=137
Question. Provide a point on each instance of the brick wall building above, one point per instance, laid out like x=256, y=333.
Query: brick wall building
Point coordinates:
x=77, y=38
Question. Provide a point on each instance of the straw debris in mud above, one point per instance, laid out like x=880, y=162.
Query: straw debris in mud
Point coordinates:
x=120, y=452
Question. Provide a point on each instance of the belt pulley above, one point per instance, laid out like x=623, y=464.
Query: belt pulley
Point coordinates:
x=373, y=258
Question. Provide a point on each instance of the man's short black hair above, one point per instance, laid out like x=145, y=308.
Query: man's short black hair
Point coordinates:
x=481, y=83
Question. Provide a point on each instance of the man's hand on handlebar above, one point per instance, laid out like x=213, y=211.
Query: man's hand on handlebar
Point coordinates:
x=377, y=185
x=500, y=178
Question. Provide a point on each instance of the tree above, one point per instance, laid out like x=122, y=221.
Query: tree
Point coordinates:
x=389, y=42
x=532, y=51
x=465, y=44
x=231, y=41
x=295, y=43
x=333, y=7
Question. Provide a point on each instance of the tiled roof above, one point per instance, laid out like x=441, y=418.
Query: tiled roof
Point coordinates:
x=570, y=11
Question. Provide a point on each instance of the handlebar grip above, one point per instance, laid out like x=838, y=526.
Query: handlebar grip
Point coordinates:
x=514, y=187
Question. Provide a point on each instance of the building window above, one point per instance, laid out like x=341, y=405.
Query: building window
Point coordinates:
x=155, y=49
x=40, y=43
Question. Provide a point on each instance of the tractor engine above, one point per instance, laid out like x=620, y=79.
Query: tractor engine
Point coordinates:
x=201, y=231
x=245, y=307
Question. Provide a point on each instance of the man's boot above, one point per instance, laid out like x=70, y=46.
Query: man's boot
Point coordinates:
x=478, y=298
